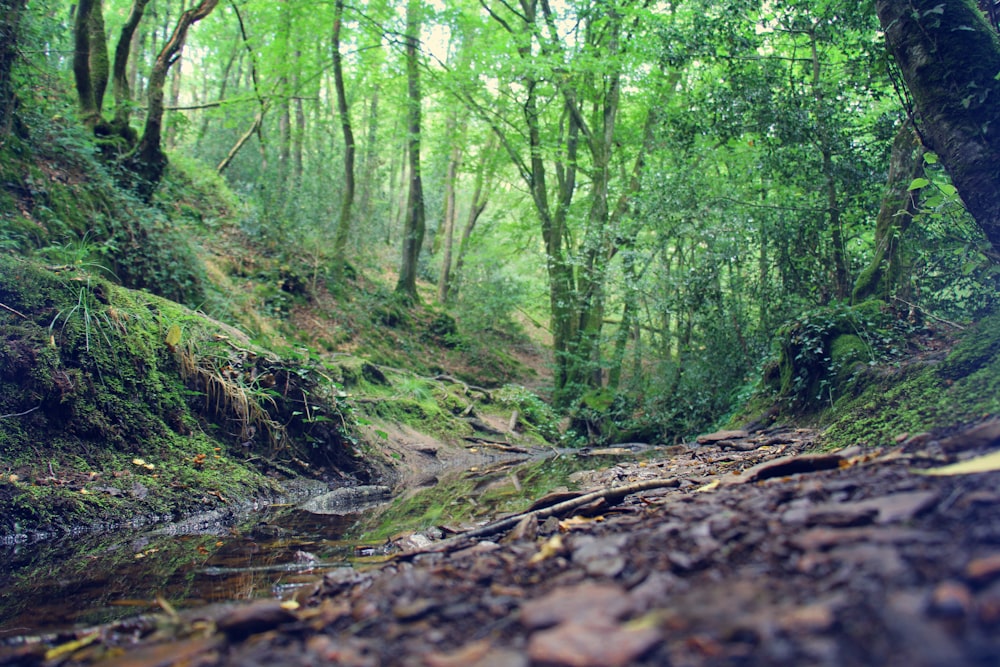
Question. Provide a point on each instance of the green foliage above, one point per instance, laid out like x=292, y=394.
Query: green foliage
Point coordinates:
x=819, y=354
x=534, y=415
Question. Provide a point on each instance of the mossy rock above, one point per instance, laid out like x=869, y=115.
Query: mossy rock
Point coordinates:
x=818, y=353
x=848, y=354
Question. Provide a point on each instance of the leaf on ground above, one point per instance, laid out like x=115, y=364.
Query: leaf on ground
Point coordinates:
x=71, y=647
x=985, y=463
x=552, y=547
x=711, y=486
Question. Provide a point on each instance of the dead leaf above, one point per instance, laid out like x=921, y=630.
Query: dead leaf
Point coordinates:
x=711, y=486
x=985, y=463
x=71, y=647
x=552, y=547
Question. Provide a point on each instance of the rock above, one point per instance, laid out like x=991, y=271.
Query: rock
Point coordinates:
x=600, y=556
x=710, y=438
x=346, y=500
x=981, y=435
x=584, y=645
x=788, y=465
x=257, y=617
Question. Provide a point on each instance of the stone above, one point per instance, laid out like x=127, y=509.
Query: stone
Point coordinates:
x=718, y=436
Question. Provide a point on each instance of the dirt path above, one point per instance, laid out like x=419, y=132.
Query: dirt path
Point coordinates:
x=749, y=556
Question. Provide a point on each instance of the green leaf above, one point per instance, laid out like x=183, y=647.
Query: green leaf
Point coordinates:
x=932, y=158
x=948, y=189
x=918, y=183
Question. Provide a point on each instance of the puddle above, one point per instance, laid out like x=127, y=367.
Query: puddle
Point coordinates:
x=86, y=580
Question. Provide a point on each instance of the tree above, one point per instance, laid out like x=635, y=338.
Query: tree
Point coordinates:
x=949, y=58
x=413, y=230
x=895, y=214
x=147, y=160
x=344, y=221
x=144, y=156
x=10, y=19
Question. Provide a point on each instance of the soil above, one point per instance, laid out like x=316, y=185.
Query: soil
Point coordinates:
x=750, y=552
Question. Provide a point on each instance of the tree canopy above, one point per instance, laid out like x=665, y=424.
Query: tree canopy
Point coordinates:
x=654, y=188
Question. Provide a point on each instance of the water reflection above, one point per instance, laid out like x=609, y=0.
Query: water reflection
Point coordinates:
x=86, y=580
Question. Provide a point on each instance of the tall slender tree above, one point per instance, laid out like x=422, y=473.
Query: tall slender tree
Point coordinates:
x=344, y=220
x=413, y=230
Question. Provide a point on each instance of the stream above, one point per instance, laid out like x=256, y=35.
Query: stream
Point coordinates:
x=274, y=551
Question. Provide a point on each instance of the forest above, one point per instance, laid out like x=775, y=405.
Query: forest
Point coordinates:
x=691, y=305
x=662, y=185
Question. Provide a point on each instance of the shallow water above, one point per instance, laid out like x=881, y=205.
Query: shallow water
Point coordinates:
x=85, y=580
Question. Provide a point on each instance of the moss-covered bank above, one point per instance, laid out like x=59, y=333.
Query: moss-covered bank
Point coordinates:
x=931, y=393
x=118, y=404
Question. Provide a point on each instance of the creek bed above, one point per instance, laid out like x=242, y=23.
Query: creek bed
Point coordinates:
x=91, y=579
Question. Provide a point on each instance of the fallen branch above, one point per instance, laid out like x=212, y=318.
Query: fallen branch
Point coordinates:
x=20, y=414
x=16, y=312
x=502, y=446
x=613, y=494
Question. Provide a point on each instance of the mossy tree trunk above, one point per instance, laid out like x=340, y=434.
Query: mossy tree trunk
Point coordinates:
x=949, y=58
x=119, y=72
x=10, y=20
x=413, y=232
x=90, y=113
x=148, y=161
x=344, y=222
x=885, y=271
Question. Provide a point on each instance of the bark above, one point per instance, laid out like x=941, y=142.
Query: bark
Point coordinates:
x=895, y=214
x=344, y=222
x=89, y=112
x=120, y=86
x=148, y=161
x=99, y=65
x=370, y=167
x=949, y=58
x=413, y=232
x=448, y=224
x=11, y=12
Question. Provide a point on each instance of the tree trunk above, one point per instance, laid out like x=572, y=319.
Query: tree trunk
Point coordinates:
x=448, y=224
x=120, y=86
x=480, y=198
x=949, y=58
x=895, y=214
x=89, y=113
x=413, y=232
x=99, y=65
x=148, y=161
x=344, y=222
x=10, y=20
x=370, y=167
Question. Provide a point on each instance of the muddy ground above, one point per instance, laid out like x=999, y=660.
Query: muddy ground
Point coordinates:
x=738, y=550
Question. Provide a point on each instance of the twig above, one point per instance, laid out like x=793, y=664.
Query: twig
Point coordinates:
x=502, y=446
x=930, y=315
x=16, y=312
x=20, y=414
x=615, y=493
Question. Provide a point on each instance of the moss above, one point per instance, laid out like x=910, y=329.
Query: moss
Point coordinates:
x=89, y=372
x=921, y=397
